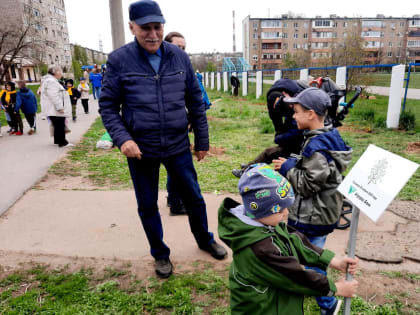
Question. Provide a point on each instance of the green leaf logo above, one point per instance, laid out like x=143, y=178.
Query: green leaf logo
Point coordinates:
x=352, y=189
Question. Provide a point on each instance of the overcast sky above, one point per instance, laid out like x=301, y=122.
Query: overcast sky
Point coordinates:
x=207, y=25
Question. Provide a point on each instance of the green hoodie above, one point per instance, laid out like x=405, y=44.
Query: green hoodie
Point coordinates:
x=267, y=274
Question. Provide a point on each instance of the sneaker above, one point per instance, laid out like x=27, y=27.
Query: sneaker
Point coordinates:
x=44, y=117
x=31, y=131
x=19, y=133
x=68, y=145
x=237, y=173
x=74, y=119
x=177, y=210
x=243, y=165
x=12, y=132
x=334, y=310
x=163, y=268
x=216, y=250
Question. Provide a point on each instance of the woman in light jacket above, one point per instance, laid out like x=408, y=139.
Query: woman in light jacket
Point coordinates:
x=56, y=102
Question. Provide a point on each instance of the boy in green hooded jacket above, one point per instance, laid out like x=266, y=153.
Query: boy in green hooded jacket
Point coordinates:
x=267, y=275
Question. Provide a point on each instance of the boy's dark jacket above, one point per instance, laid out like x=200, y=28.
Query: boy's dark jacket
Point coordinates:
x=26, y=101
x=315, y=175
x=266, y=275
x=75, y=95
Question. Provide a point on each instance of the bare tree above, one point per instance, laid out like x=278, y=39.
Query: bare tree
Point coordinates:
x=20, y=40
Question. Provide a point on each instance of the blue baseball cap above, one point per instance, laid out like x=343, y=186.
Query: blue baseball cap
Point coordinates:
x=145, y=11
x=264, y=191
x=312, y=98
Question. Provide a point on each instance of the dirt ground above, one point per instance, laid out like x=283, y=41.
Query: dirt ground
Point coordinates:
x=377, y=284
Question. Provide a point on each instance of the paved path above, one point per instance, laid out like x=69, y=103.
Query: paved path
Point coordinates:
x=25, y=159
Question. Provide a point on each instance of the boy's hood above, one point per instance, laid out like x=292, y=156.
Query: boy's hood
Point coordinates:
x=234, y=231
x=328, y=142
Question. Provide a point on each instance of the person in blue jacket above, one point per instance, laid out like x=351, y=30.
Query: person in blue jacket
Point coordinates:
x=151, y=82
x=26, y=101
x=176, y=207
x=95, y=78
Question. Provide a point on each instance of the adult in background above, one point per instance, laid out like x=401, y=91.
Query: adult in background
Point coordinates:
x=95, y=78
x=152, y=82
x=56, y=101
x=26, y=101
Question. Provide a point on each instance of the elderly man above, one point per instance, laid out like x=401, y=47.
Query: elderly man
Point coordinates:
x=152, y=82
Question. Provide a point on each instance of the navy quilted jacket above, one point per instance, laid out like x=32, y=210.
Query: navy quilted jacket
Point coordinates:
x=138, y=104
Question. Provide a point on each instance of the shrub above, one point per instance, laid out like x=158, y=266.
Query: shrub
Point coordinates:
x=407, y=121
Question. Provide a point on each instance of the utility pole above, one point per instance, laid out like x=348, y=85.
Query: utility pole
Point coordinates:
x=117, y=23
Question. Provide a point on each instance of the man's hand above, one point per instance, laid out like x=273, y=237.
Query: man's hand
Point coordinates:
x=346, y=288
x=131, y=150
x=200, y=155
x=342, y=264
x=278, y=163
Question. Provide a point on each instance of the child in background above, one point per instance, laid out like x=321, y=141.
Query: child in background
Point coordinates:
x=83, y=88
x=26, y=101
x=74, y=96
x=8, y=100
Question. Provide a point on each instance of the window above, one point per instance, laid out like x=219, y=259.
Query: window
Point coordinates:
x=278, y=56
x=13, y=70
x=277, y=46
x=270, y=24
x=400, y=44
x=345, y=34
x=254, y=46
x=414, y=23
x=390, y=44
x=372, y=34
x=345, y=24
x=285, y=46
x=413, y=43
x=305, y=25
x=295, y=24
x=255, y=58
x=373, y=44
x=295, y=46
x=255, y=36
x=285, y=25
x=389, y=54
x=402, y=24
x=305, y=35
x=305, y=46
x=255, y=24
x=322, y=35
x=264, y=56
x=284, y=56
x=295, y=35
x=322, y=23
x=270, y=35
x=334, y=34
x=372, y=23
x=284, y=35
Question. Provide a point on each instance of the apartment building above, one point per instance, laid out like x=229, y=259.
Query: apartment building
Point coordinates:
x=93, y=56
x=267, y=42
x=50, y=28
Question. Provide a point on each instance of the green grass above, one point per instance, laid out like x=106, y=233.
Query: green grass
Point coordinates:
x=242, y=129
x=384, y=79
x=39, y=291
x=44, y=291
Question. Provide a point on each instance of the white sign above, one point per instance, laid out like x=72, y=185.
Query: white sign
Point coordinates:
x=375, y=180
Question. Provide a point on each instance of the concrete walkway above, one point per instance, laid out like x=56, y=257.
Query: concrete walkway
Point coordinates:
x=25, y=159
